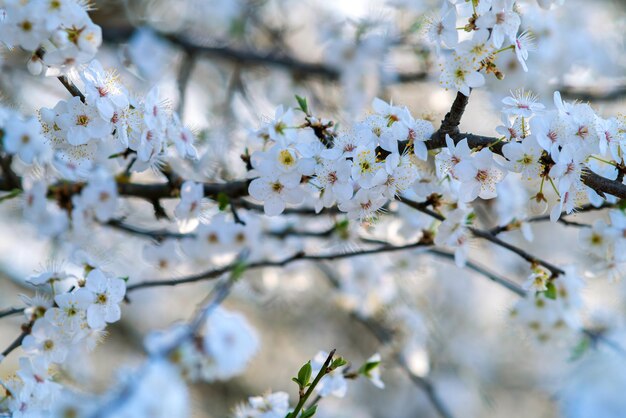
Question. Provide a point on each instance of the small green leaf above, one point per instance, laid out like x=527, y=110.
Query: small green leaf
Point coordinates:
x=304, y=375
x=303, y=104
x=125, y=278
x=551, y=292
x=338, y=362
x=309, y=412
x=238, y=270
x=580, y=349
x=222, y=201
x=368, y=367
x=13, y=193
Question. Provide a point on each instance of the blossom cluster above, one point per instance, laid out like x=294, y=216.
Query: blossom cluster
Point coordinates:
x=350, y=173
x=492, y=28
x=110, y=122
x=89, y=140
x=59, y=33
x=80, y=134
x=74, y=319
x=220, y=350
x=606, y=244
x=559, y=146
x=551, y=310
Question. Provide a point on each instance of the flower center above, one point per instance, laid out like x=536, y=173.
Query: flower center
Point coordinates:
x=482, y=175
x=277, y=187
x=48, y=345
x=82, y=120
x=26, y=26
x=286, y=159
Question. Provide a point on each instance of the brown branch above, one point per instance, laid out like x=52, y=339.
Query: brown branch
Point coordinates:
x=299, y=68
x=11, y=312
x=15, y=344
x=479, y=233
x=484, y=271
x=71, y=87
x=212, y=274
x=452, y=120
x=598, y=183
x=596, y=94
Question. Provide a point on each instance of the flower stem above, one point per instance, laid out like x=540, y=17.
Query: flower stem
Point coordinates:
x=317, y=379
x=603, y=160
x=506, y=48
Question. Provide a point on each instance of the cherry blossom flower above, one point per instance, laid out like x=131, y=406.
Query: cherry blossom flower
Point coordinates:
x=524, y=43
x=451, y=156
x=272, y=405
x=524, y=157
x=190, y=205
x=461, y=73
x=108, y=293
x=441, y=29
x=503, y=21
x=82, y=123
x=163, y=256
x=103, y=91
x=479, y=176
x=46, y=341
x=71, y=314
x=24, y=138
x=522, y=103
x=276, y=190
x=363, y=205
x=100, y=195
x=230, y=342
x=453, y=232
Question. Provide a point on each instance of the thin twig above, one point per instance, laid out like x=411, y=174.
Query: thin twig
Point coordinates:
x=212, y=274
x=11, y=312
x=323, y=371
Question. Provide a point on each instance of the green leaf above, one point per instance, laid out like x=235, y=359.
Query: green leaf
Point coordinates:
x=238, y=270
x=304, y=375
x=309, y=412
x=338, y=362
x=222, y=201
x=551, y=292
x=13, y=193
x=368, y=367
x=303, y=104
x=580, y=349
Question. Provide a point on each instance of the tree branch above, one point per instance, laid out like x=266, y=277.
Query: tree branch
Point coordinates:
x=11, y=312
x=300, y=69
x=212, y=274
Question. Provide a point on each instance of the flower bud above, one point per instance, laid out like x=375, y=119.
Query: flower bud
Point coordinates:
x=34, y=65
x=538, y=204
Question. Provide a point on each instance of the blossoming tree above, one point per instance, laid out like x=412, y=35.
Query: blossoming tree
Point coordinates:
x=355, y=191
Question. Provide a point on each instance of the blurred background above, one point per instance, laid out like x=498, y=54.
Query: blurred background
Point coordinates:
x=226, y=65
